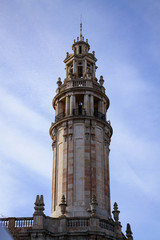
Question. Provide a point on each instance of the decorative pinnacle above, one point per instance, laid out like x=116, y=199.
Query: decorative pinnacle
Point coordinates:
x=129, y=232
x=115, y=212
x=39, y=205
x=59, y=83
x=101, y=80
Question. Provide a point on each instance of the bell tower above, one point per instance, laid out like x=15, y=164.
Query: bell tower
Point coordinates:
x=81, y=136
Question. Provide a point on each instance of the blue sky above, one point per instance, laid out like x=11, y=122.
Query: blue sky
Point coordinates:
x=34, y=38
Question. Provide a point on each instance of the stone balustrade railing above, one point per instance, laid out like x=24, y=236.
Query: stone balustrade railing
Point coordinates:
x=4, y=222
x=82, y=112
x=78, y=223
x=72, y=223
x=106, y=225
x=81, y=83
x=23, y=222
x=16, y=222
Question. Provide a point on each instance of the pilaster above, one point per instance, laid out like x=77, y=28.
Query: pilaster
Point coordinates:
x=70, y=163
x=87, y=163
x=67, y=110
x=93, y=159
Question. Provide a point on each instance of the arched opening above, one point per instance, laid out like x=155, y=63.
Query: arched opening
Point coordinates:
x=80, y=71
x=80, y=49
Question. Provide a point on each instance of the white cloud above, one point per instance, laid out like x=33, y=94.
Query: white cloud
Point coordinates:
x=24, y=149
x=135, y=161
x=22, y=130
x=14, y=108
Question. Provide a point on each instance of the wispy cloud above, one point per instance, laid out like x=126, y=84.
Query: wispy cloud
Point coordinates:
x=20, y=126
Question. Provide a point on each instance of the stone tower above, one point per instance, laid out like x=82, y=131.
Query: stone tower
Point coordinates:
x=81, y=136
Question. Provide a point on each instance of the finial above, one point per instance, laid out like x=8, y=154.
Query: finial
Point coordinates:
x=101, y=80
x=39, y=205
x=59, y=82
x=81, y=29
x=115, y=212
x=129, y=232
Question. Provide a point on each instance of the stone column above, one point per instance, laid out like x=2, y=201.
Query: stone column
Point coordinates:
x=91, y=105
x=71, y=104
x=85, y=66
x=102, y=107
x=74, y=67
x=60, y=107
x=99, y=106
x=74, y=101
x=105, y=108
x=67, y=105
x=93, y=71
x=86, y=103
x=56, y=108
x=66, y=71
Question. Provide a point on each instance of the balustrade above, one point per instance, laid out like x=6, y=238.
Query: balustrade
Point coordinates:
x=106, y=225
x=4, y=222
x=80, y=83
x=17, y=222
x=78, y=223
x=23, y=222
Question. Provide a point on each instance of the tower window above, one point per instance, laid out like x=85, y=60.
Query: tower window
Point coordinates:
x=80, y=71
x=80, y=49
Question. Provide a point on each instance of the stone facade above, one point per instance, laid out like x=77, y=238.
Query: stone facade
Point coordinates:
x=81, y=134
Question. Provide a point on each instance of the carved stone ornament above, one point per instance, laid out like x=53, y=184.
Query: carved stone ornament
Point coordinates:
x=101, y=80
x=70, y=72
x=116, y=212
x=63, y=205
x=93, y=206
x=59, y=82
x=39, y=205
x=129, y=232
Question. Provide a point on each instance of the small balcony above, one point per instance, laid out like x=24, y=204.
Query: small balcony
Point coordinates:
x=81, y=112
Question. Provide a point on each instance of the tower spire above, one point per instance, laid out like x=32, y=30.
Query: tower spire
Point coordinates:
x=81, y=28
